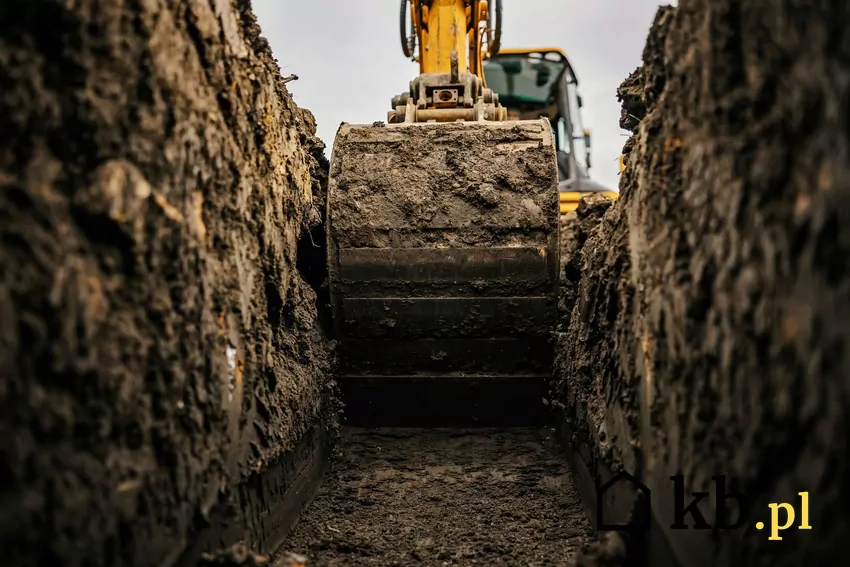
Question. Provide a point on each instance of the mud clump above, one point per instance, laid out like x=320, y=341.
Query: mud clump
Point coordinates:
x=158, y=346
x=710, y=332
x=233, y=556
x=576, y=227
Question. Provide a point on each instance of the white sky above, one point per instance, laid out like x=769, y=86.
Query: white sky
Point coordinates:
x=349, y=62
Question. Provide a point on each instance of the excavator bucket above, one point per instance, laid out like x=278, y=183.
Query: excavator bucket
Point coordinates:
x=443, y=270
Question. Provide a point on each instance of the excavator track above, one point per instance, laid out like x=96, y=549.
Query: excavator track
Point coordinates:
x=443, y=270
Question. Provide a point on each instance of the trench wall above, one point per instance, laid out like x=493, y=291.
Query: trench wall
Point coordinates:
x=158, y=347
x=710, y=328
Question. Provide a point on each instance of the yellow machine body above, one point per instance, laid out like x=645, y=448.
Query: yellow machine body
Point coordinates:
x=443, y=30
x=540, y=82
x=454, y=38
x=444, y=26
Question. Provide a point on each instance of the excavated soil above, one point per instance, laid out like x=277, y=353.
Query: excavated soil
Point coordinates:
x=450, y=184
x=445, y=497
x=159, y=349
x=575, y=228
x=710, y=331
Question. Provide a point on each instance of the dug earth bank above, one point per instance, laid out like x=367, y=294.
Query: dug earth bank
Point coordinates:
x=709, y=334
x=162, y=369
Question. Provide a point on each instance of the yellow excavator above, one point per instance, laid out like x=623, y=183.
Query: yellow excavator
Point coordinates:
x=442, y=231
x=541, y=82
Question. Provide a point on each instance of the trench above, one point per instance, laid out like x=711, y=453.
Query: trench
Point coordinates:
x=445, y=497
x=169, y=384
x=461, y=495
x=441, y=495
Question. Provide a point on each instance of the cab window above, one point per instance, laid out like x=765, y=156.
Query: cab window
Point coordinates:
x=522, y=79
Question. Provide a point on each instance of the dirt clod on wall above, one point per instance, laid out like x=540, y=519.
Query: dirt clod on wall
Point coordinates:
x=710, y=332
x=157, y=343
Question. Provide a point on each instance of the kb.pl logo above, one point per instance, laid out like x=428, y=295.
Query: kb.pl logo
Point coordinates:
x=732, y=508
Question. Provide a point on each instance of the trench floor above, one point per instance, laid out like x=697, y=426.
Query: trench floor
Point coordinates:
x=444, y=497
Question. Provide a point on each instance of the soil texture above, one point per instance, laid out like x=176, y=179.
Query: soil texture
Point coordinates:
x=445, y=497
x=451, y=184
x=158, y=345
x=161, y=358
x=711, y=326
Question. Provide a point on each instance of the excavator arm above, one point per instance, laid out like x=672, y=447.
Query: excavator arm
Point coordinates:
x=446, y=26
x=453, y=37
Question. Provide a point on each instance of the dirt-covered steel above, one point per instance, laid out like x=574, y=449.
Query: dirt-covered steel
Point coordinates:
x=443, y=237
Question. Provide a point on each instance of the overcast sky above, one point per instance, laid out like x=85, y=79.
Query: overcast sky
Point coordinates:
x=349, y=61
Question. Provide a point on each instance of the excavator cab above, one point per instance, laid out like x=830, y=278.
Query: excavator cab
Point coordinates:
x=535, y=83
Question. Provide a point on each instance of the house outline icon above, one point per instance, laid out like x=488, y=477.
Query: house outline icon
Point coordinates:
x=642, y=508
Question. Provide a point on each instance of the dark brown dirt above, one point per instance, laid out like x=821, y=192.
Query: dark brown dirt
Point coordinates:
x=710, y=333
x=594, y=298
x=451, y=184
x=445, y=497
x=237, y=554
x=158, y=346
x=576, y=227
